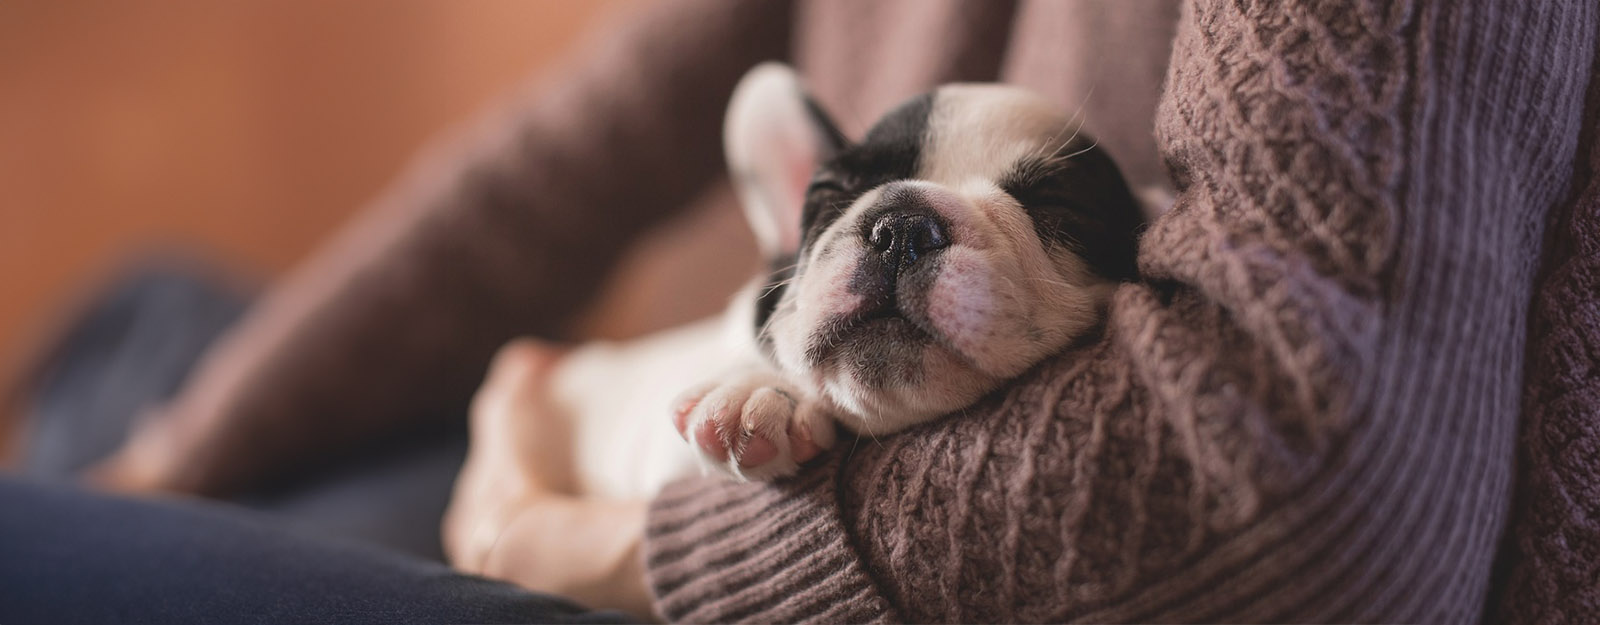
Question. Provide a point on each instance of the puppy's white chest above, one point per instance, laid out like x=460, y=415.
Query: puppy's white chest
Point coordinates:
x=618, y=397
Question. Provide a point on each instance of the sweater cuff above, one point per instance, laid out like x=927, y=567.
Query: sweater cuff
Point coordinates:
x=721, y=552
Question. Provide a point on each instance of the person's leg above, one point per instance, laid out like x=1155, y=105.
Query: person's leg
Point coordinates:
x=393, y=493
x=129, y=349
x=67, y=556
x=134, y=345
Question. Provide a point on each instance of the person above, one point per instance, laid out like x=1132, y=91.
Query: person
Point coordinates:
x=1305, y=408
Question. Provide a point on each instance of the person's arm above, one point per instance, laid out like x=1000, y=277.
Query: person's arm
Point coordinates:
x=507, y=232
x=1304, y=411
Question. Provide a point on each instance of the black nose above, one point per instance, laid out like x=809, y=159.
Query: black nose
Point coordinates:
x=903, y=237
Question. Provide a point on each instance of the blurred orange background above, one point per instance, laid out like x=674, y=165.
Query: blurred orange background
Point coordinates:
x=244, y=130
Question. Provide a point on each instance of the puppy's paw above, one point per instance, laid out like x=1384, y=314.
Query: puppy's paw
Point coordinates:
x=753, y=427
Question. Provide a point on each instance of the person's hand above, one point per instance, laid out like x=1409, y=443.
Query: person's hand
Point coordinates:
x=146, y=462
x=171, y=448
x=501, y=471
x=511, y=516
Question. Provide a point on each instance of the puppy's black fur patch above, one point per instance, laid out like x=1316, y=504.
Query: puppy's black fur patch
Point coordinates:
x=1077, y=199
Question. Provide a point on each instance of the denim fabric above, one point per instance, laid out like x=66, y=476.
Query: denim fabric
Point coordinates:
x=127, y=352
x=67, y=556
x=134, y=346
x=340, y=546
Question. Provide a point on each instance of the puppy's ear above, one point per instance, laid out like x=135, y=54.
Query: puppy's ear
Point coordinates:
x=775, y=136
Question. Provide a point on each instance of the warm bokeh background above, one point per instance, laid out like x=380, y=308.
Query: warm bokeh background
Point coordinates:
x=245, y=130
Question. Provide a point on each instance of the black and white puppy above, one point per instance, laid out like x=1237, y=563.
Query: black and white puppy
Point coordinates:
x=969, y=235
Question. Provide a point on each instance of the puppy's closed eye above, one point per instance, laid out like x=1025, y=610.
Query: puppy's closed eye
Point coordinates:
x=1077, y=200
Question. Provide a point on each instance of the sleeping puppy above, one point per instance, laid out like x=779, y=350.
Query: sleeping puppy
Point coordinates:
x=969, y=235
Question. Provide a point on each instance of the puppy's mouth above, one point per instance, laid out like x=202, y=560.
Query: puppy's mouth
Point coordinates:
x=881, y=346
x=870, y=325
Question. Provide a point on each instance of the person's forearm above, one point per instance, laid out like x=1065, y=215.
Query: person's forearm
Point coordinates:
x=501, y=235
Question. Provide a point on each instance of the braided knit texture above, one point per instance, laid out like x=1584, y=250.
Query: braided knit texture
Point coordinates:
x=1306, y=410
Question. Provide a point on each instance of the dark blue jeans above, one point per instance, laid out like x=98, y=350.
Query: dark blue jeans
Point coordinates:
x=357, y=544
x=67, y=556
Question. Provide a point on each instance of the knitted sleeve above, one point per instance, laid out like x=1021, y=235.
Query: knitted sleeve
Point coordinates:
x=1305, y=410
x=505, y=232
x=1551, y=558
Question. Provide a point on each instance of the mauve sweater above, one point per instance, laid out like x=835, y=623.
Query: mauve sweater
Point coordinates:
x=1307, y=409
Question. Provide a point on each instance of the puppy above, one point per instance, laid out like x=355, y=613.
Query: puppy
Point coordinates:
x=969, y=235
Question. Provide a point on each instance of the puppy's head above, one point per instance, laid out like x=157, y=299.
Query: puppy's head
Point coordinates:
x=971, y=233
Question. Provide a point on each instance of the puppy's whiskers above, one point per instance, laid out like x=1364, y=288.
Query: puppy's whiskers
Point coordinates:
x=775, y=286
x=874, y=435
x=1055, y=282
x=1092, y=145
x=1080, y=116
x=766, y=327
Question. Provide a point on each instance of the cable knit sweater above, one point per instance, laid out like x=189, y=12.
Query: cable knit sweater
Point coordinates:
x=1306, y=409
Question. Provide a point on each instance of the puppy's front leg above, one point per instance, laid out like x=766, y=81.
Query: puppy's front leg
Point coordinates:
x=753, y=425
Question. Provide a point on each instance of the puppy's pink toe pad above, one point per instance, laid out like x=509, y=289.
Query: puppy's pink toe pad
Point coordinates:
x=757, y=451
x=710, y=441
